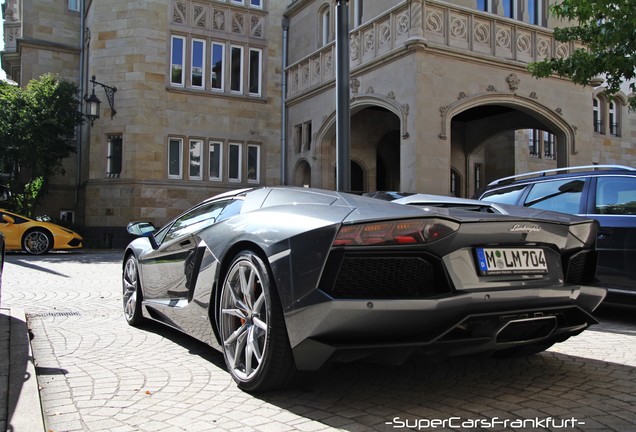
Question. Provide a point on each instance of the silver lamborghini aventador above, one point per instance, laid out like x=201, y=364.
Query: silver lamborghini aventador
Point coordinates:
x=283, y=280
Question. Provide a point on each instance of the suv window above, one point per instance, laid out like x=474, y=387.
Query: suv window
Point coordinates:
x=616, y=195
x=560, y=195
x=509, y=195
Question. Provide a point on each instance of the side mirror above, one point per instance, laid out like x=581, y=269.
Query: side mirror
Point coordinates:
x=141, y=229
x=5, y=193
x=7, y=219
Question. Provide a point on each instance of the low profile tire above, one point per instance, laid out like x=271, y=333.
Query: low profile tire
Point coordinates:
x=252, y=328
x=132, y=292
x=37, y=242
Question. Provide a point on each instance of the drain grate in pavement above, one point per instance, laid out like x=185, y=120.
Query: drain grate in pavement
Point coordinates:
x=53, y=314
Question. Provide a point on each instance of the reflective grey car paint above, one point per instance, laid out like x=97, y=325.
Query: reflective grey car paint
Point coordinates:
x=294, y=230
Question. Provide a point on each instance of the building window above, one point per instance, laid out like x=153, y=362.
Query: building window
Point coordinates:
x=175, y=158
x=325, y=26
x=477, y=177
x=236, y=69
x=178, y=59
x=533, y=143
x=253, y=163
x=216, y=158
x=357, y=12
x=596, y=116
x=535, y=12
x=114, y=156
x=218, y=54
x=614, y=125
x=74, y=5
x=255, y=72
x=256, y=4
x=298, y=138
x=197, y=71
x=196, y=159
x=549, y=145
x=234, y=162
x=455, y=185
x=510, y=8
x=484, y=5
x=307, y=135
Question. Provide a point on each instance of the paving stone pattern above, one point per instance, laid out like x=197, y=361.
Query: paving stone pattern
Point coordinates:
x=96, y=373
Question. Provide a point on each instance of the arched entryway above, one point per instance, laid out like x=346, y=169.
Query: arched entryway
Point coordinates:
x=498, y=135
x=376, y=133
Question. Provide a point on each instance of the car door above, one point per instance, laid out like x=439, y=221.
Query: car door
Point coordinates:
x=169, y=271
x=613, y=204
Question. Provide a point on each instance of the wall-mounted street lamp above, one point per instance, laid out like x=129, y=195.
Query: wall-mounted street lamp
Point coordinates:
x=93, y=102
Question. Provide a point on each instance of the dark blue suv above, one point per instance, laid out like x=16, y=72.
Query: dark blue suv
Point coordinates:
x=606, y=193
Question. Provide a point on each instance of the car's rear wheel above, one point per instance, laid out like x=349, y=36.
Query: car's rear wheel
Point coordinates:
x=132, y=292
x=37, y=242
x=253, y=333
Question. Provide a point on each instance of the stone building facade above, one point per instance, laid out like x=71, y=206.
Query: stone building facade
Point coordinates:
x=222, y=94
x=441, y=100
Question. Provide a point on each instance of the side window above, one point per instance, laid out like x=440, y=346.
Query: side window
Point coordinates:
x=508, y=195
x=559, y=195
x=616, y=195
x=196, y=219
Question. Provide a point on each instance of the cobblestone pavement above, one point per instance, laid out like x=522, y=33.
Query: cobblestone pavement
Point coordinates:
x=98, y=374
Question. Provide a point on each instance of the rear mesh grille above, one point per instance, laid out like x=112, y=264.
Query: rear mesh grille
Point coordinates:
x=386, y=278
x=580, y=268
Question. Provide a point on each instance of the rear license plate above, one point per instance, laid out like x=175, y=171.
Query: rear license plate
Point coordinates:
x=506, y=261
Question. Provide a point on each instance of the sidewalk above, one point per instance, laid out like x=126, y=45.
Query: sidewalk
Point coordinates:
x=20, y=408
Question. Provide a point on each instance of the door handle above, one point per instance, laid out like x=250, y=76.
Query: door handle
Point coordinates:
x=185, y=243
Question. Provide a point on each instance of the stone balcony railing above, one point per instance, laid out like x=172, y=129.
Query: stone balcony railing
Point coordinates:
x=436, y=25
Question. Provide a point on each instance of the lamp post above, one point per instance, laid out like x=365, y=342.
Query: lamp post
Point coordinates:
x=343, y=116
x=93, y=103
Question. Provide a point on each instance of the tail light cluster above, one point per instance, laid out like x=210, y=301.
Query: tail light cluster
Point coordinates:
x=399, y=232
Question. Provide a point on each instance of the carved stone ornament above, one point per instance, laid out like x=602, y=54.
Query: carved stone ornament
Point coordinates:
x=355, y=86
x=559, y=111
x=462, y=95
x=533, y=95
x=370, y=90
x=491, y=88
x=513, y=82
x=391, y=95
x=443, y=110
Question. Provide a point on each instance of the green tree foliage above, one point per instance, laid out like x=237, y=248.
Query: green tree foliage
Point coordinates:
x=36, y=125
x=607, y=28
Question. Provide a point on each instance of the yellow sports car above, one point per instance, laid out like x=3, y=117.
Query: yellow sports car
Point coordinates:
x=35, y=237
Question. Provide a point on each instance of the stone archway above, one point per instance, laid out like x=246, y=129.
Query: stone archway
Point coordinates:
x=485, y=120
x=377, y=125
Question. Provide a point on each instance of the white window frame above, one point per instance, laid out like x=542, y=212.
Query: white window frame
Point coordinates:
x=357, y=13
x=110, y=156
x=614, y=125
x=258, y=5
x=238, y=2
x=74, y=5
x=597, y=118
x=239, y=147
x=179, y=142
x=325, y=26
x=259, y=71
x=198, y=143
x=257, y=178
x=222, y=78
x=241, y=70
x=203, y=61
x=219, y=159
x=183, y=42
